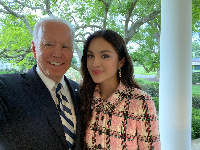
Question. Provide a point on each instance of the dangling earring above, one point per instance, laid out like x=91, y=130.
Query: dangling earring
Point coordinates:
x=120, y=73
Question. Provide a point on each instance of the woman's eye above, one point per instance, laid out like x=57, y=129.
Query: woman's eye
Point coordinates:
x=89, y=55
x=105, y=56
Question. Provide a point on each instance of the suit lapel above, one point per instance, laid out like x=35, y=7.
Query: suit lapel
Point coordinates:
x=43, y=99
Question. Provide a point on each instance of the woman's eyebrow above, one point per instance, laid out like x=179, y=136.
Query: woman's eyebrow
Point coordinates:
x=103, y=51
x=88, y=51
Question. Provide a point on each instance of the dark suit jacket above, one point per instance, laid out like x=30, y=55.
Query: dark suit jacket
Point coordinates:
x=29, y=119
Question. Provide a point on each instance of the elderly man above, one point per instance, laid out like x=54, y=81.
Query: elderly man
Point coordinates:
x=39, y=110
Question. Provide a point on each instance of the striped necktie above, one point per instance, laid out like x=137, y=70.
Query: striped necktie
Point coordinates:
x=66, y=116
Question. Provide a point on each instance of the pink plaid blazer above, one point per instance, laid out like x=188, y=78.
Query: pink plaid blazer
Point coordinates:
x=126, y=120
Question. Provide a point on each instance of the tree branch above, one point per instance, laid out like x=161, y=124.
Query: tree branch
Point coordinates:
x=82, y=36
x=74, y=19
x=6, y=12
x=48, y=11
x=3, y=51
x=17, y=56
x=28, y=25
x=78, y=52
x=128, y=16
x=157, y=34
x=23, y=17
x=87, y=26
x=10, y=11
x=79, y=40
x=107, y=5
x=135, y=27
x=28, y=6
x=148, y=70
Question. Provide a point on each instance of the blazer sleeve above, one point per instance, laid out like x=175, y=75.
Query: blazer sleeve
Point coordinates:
x=147, y=123
x=4, y=110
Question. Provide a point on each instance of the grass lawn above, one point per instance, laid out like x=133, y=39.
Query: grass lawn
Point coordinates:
x=143, y=80
x=142, y=71
x=196, y=89
x=2, y=72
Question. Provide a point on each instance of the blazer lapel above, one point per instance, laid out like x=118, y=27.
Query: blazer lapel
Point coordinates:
x=43, y=99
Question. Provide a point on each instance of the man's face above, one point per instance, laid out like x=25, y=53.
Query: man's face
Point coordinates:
x=53, y=49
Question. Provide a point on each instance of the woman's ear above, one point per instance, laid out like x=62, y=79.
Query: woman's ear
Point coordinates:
x=121, y=63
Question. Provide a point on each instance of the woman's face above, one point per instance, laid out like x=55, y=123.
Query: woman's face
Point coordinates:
x=102, y=61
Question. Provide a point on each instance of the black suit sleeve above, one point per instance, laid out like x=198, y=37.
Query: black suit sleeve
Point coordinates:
x=4, y=111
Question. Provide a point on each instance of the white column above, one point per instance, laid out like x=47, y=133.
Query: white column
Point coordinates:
x=175, y=96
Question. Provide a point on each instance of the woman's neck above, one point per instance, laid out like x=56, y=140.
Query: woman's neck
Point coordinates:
x=108, y=88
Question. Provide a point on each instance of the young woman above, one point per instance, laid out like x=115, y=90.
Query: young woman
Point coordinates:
x=116, y=113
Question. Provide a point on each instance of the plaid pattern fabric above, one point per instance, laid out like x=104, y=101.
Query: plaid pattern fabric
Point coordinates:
x=125, y=121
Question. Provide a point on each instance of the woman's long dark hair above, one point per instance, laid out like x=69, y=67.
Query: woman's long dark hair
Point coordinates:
x=88, y=86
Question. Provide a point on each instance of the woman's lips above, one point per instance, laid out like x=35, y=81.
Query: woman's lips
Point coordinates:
x=96, y=72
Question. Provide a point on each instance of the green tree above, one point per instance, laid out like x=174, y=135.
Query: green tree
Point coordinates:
x=196, y=48
x=137, y=21
x=16, y=39
x=195, y=15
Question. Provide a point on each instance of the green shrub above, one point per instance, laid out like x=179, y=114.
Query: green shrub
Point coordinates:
x=152, y=88
x=8, y=71
x=156, y=102
x=195, y=123
x=195, y=77
x=196, y=101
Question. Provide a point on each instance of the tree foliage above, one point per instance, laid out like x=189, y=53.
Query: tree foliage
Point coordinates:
x=195, y=15
x=137, y=21
x=128, y=17
x=196, y=48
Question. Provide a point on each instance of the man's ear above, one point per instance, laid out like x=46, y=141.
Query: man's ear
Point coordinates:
x=33, y=49
x=121, y=63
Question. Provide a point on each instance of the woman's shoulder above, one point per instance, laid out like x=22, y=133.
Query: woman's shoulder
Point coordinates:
x=138, y=93
x=133, y=92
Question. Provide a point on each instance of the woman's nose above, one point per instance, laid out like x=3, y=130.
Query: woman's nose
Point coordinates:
x=96, y=62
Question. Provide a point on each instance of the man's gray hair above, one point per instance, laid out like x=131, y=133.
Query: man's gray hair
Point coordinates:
x=53, y=19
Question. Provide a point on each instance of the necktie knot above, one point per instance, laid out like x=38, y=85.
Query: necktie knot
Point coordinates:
x=58, y=87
